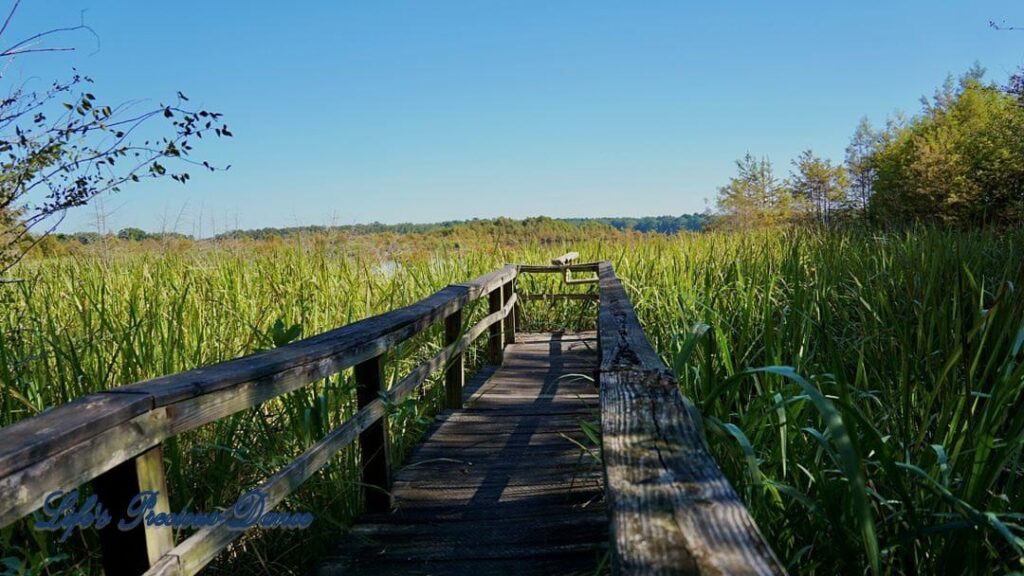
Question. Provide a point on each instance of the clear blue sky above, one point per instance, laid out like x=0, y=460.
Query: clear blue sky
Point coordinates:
x=421, y=111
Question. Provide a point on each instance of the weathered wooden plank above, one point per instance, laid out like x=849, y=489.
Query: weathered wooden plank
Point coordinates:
x=375, y=454
x=507, y=482
x=329, y=352
x=59, y=428
x=549, y=506
x=472, y=423
x=672, y=510
x=565, y=259
x=439, y=550
x=544, y=269
x=167, y=565
x=496, y=339
x=492, y=529
x=455, y=554
x=577, y=564
x=622, y=341
x=485, y=479
x=23, y=491
x=507, y=293
x=413, y=496
x=482, y=285
x=535, y=339
x=455, y=374
x=557, y=297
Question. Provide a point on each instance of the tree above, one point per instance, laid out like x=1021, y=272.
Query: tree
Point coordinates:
x=1015, y=86
x=60, y=147
x=133, y=234
x=960, y=162
x=860, y=164
x=819, y=187
x=754, y=197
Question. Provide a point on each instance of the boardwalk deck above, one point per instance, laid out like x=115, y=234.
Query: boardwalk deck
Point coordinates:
x=502, y=486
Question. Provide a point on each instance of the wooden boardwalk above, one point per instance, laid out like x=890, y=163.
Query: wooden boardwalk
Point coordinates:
x=508, y=485
x=504, y=483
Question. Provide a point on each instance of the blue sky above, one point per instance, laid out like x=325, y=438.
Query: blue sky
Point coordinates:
x=422, y=111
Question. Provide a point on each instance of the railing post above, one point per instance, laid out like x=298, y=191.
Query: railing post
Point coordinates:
x=373, y=442
x=517, y=310
x=132, y=552
x=496, y=341
x=455, y=375
x=510, y=319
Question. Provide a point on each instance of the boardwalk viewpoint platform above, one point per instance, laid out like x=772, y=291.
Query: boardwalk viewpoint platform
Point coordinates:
x=510, y=478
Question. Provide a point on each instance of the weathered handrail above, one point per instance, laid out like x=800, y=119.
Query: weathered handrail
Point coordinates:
x=672, y=510
x=112, y=438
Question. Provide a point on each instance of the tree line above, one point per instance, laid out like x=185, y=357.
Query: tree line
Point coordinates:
x=653, y=224
x=959, y=161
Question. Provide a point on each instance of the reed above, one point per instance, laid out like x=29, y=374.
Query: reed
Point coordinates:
x=862, y=390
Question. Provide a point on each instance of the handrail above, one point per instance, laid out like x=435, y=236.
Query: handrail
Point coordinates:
x=113, y=437
x=672, y=511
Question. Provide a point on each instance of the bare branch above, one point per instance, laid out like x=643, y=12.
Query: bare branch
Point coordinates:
x=10, y=15
x=1002, y=27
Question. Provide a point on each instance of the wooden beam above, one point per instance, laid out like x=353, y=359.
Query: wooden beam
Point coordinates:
x=29, y=441
x=545, y=269
x=314, y=357
x=132, y=552
x=455, y=374
x=517, y=309
x=482, y=285
x=565, y=259
x=373, y=442
x=672, y=510
x=510, y=319
x=623, y=343
x=23, y=491
x=554, y=297
x=496, y=340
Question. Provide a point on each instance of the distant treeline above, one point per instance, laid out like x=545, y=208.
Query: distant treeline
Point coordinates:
x=661, y=224
x=653, y=224
x=658, y=224
x=130, y=234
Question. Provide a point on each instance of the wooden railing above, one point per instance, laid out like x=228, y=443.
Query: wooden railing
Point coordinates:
x=112, y=438
x=672, y=511
x=670, y=508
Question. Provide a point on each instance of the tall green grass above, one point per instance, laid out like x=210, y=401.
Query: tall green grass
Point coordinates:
x=861, y=390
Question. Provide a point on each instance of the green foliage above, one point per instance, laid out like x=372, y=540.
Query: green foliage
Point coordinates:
x=860, y=165
x=818, y=187
x=132, y=234
x=754, y=197
x=960, y=162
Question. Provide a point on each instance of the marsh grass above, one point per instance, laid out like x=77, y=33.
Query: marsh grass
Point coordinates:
x=861, y=390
